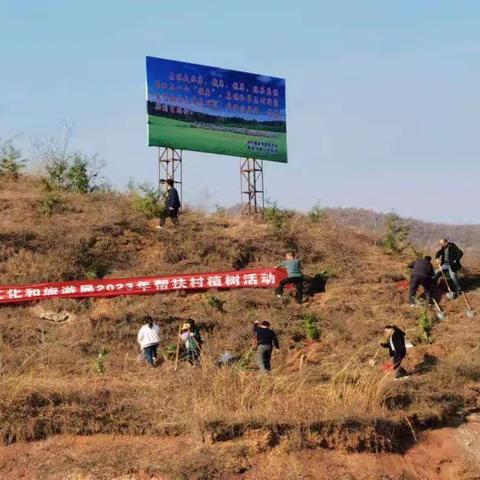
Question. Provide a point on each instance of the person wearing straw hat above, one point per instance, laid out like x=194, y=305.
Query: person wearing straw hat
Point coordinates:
x=265, y=340
x=191, y=345
x=149, y=337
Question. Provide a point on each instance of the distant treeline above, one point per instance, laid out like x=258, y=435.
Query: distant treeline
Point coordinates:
x=272, y=125
x=424, y=235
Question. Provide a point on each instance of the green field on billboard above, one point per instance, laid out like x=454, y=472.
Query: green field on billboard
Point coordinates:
x=177, y=134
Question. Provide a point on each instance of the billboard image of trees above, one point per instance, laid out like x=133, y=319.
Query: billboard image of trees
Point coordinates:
x=208, y=109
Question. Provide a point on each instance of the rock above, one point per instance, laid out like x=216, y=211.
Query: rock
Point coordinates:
x=474, y=417
x=58, y=317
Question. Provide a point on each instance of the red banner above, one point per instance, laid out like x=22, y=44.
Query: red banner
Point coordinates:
x=258, y=278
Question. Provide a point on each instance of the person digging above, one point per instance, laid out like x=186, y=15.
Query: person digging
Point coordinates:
x=396, y=348
x=448, y=259
x=294, y=276
x=422, y=275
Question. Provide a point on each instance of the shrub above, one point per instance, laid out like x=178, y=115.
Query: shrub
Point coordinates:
x=220, y=211
x=11, y=161
x=147, y=200
x=73, y=173
x=245, y=359
x=51, y=200
x=215, y=303
x=99, y=365
x=310, y=327
x=394, y=240
x=425, y=326
x=417, y=252
x=69, y=171
x=276, y=216
x=95, y=270
x=316, y=213
x=169, y=352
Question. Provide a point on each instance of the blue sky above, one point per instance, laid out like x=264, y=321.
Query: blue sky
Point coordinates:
x=383, y=98
x=160, y=70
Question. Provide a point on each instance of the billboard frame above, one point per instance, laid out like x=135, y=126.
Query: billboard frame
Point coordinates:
x=170, y=166
x=251, y=186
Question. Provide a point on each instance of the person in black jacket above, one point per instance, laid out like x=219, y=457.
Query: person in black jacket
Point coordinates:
x=448, y=258
x=172, y=204
x=396, y=348
x=265, y=339
x=422, y=274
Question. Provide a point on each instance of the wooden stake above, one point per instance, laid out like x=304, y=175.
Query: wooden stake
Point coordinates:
x=178, y=347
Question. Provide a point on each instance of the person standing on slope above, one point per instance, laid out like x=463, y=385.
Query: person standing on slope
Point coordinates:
x=191, y=345
x=396, y=348
x=448, y=258
x=149, y=337
x=294, y=276
x=422, y=274
x=265, y=340
x=172, y=204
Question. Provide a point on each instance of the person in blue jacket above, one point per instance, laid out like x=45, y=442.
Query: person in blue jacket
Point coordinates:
x=172, y=204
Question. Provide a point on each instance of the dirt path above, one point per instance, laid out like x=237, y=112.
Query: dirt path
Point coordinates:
x=444, y=454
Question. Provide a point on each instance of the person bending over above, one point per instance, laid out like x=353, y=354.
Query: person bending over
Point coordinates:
x=422, y=274
x=396, y=348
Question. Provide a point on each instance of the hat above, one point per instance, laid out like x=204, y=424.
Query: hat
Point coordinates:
x=186, y=326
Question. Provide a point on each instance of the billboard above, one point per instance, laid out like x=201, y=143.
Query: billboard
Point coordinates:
x=208, y=109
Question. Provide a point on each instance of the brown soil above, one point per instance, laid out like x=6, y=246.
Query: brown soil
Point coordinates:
x=443, y=454
x=324, y=412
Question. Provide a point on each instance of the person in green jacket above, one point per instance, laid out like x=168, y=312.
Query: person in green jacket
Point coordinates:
x=294, y=276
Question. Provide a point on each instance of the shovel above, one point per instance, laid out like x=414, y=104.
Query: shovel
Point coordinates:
x=470, y=312
x=440, y=315
x=371, y=362
x=450, y=294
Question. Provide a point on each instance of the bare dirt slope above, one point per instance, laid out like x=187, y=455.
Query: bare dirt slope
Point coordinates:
x=323, y=403
x=443, y=454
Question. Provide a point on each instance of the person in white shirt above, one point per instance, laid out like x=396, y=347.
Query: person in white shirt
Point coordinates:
x=149, y=337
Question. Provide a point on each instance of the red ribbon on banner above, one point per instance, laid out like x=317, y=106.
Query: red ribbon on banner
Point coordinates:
x=257, y=278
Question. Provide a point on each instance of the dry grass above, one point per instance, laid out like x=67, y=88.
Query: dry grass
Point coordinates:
x=320, y=394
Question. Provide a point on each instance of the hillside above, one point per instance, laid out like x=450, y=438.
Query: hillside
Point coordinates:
x=423, y=234
x=75, y=401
